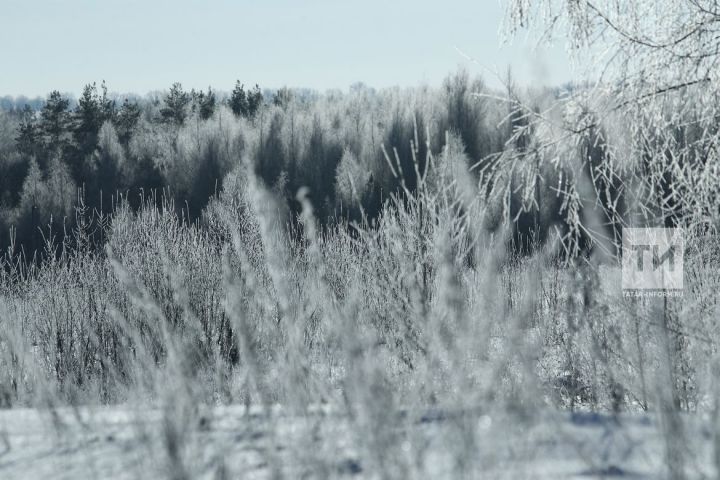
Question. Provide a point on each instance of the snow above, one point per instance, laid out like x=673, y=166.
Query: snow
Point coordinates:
x=234, y=442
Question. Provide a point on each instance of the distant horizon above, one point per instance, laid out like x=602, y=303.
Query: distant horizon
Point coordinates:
x=75, y=94
x=321, y=45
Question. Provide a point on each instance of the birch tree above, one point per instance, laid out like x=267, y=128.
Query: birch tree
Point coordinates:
x=648, y=100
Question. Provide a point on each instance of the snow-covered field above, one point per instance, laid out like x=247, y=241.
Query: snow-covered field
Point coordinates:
x=233, y=442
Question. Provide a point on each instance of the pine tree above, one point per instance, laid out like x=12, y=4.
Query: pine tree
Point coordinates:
x=126, y=120
x=28, y=141
x=87, y=119
x=282, y=97
x=207, y=104
x=254, y=101
x=55, y=121
x=239, y=101
x=245, y=104
x=176, y=103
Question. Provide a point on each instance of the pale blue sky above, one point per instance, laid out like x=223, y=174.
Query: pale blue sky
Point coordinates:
x=143, y=45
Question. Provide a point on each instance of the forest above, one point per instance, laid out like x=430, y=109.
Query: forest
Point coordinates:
x=374, y=282
x=180, y=146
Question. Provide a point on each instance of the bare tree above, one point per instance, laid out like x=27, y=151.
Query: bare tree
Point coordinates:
x=652, y=68
x=648, y=101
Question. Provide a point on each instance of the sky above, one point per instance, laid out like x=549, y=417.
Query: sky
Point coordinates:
x=144, y=45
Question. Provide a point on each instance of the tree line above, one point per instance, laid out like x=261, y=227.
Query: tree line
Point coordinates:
x=351, y=149
x=63, y=153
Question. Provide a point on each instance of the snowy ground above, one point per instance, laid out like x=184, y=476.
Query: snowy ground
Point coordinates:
x=234, y=443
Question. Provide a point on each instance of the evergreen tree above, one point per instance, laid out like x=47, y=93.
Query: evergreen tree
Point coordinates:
x=87, y=119
x=29, y=139
x=126, y=120
x=176, y=103
x=207, y=104
x=282, y=97
x=239, y=101
x=254, y=101
x=55, y=122
x=245, y=104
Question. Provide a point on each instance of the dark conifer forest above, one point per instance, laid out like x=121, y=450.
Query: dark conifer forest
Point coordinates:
x=68, y=158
